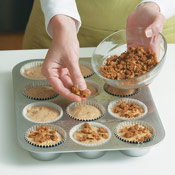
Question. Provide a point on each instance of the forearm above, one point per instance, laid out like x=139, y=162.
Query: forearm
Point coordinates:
x=51, y=8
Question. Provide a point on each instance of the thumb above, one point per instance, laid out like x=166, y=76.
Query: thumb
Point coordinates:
x=76, y=75
x=156, y=26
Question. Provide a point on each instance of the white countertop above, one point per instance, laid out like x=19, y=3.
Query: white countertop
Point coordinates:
x=16, y=161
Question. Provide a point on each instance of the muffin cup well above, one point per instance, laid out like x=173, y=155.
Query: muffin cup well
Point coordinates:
x=31, y=65
x=111, y=92
x=88, y=102
x=127, y=100
x=88, y=65
x=36, y=84
x=76, y=127
x=47, y=104
x=131, y=123
x=96, y=86
x=58, y=129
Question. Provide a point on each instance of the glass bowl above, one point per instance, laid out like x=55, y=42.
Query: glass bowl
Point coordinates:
x=115, y=44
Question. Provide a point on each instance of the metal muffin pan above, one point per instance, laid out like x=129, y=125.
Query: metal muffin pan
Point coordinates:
x=114, y=144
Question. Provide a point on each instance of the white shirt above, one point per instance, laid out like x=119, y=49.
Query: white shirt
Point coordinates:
x=68, y=7
x=51, y=8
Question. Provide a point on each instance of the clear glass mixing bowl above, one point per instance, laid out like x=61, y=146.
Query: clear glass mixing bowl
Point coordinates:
x=115, y=44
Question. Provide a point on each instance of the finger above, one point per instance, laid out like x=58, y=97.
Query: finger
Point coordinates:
x=58, y=86
x=65, y=78
x=76, y=76
x=156, y=27
x=155, y=44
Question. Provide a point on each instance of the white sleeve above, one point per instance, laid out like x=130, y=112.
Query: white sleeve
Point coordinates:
x=167, y=7
x=51, y=8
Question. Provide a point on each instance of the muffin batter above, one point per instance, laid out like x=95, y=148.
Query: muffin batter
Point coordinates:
x=92, y=89
x=40, y=92
x=86, y=71
x=85, y=112
x=42, y=113
x=34, y=72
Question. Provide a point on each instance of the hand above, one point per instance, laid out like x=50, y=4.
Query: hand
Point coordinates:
x=61, y=65
x=147, y=16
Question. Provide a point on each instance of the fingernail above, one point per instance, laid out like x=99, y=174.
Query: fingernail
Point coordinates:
x=149, y=33
x=81, y=86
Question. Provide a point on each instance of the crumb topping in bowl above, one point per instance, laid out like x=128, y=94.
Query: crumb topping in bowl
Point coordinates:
x=131, y=63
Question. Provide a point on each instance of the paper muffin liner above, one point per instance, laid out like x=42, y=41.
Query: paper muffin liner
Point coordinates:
x=58, y=129
x=88, y=65
x=131, y=123
x=47, y=104
x=30, y=65
x=105, y=87
x=96, y=86
x=76, y=127
x=88, y=102
x=127, y=100
x=35, y=84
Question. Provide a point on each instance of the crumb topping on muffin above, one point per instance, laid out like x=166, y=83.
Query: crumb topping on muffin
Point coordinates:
x=89, y=134
x=127, y=110
x=135, y=133
x=44, y=136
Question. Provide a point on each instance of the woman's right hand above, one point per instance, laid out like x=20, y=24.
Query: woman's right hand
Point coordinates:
x=61, y=65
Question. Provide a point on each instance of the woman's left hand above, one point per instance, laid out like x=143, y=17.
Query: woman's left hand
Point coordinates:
x=147, y=16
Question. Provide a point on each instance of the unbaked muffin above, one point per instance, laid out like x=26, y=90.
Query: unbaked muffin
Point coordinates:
x=90, y=134
x=134, y=132
x=39, y=91
x=32, y=70
x=86, y=69
x=45, y=136
x=85, y=111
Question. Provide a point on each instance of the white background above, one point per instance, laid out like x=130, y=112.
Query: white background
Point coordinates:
x=16, y=161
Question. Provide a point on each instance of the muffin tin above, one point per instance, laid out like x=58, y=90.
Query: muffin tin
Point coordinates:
x=67, y=123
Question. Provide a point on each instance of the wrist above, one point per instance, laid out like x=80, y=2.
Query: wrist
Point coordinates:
x=62, y=22
x=151, y=5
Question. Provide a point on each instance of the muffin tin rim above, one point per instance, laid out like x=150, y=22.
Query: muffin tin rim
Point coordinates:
x=146, y=90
